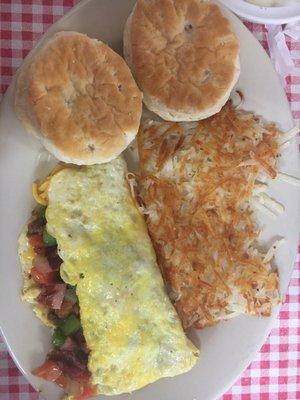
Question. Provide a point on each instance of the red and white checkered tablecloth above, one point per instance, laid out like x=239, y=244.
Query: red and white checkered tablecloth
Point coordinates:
x=274, y=374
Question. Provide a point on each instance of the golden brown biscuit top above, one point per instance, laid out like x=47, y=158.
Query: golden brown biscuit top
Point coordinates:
x=183, y=52
x=83, y=97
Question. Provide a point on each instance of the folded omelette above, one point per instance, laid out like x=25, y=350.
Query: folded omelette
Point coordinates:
x=132, y=335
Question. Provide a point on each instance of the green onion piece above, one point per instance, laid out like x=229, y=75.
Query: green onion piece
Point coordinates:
x=58, y=338
x=48, y=239
x=70, y=325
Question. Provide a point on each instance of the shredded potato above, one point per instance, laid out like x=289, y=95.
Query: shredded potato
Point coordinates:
x=272, y=204
x=285, y=137
x=132, y=183
x=293, y=180
x=272, y=250
x=196, y=183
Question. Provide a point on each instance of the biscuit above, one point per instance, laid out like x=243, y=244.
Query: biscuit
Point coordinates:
x=78, y=96
x=183, y=55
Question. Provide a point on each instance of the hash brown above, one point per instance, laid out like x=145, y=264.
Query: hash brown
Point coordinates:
x=195, y=182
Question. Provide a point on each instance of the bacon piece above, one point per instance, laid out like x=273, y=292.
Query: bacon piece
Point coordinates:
x=52, y=296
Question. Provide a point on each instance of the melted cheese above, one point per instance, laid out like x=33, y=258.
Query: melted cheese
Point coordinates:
x=40, y=189
x=130, y=326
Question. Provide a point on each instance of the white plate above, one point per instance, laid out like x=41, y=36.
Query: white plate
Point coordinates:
x=264, y=15
x=226, y=348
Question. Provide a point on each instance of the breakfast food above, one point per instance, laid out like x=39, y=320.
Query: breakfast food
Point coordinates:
x=196, y=183
x=183, y=55
x=90, y=271
x=79, y=98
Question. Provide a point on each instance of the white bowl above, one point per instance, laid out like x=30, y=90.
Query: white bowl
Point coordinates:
x=264, y=15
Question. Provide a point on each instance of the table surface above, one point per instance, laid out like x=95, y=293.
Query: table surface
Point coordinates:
x=274, y=374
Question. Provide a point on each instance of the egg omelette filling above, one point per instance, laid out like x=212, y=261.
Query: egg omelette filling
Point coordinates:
x=196, y=183
x=115, y=327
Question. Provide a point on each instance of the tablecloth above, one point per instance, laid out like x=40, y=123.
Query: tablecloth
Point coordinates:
x=274, y=374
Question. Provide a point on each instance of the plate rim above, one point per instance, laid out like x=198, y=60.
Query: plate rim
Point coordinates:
x=263, y=15
x=48, y=33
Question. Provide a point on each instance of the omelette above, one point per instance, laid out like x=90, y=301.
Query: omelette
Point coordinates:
x=91, y=273
x=197, y=182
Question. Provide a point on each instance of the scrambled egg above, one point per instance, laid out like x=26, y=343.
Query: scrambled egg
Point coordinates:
x=130, y=326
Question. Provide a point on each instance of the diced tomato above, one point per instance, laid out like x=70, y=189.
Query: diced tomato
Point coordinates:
x=43, y=278
x=62, y=381
x=88, y=391
x=41, y=263
x=36, y=241
x=80, y=390
x=49, y=371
